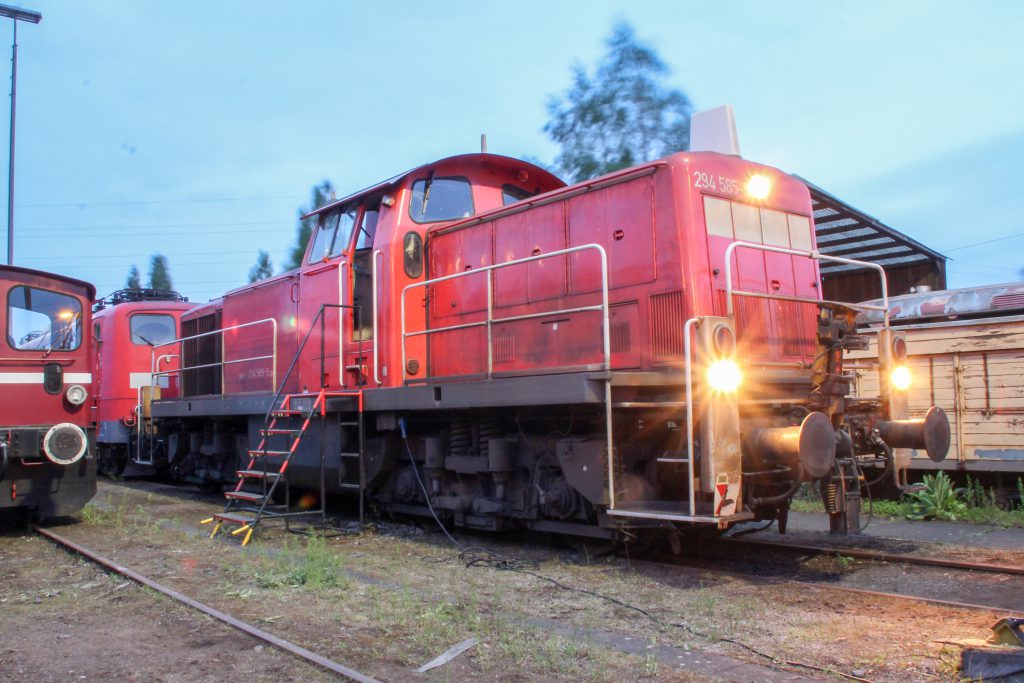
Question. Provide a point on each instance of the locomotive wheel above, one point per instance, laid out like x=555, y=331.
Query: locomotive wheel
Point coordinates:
x=110, y=462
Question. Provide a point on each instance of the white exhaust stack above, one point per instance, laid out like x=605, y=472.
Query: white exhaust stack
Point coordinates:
x=714, y=130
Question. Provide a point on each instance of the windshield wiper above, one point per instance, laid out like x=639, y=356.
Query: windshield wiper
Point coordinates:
x=145, y=340
x=426, y=194
x=72, y=321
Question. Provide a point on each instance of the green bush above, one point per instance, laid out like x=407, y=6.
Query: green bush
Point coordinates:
x=938, y=500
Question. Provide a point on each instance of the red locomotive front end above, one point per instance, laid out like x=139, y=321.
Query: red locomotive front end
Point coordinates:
x=46, y=406
x=131, y=327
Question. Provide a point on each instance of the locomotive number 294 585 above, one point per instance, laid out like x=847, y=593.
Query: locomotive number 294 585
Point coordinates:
x=707, y=181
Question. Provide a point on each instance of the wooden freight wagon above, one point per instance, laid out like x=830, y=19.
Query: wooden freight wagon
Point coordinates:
x=965, y=352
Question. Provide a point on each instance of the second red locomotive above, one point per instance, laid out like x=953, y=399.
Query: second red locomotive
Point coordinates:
x=128, y=324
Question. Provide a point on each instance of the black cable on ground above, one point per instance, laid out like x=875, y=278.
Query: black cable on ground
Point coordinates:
x=477, y=556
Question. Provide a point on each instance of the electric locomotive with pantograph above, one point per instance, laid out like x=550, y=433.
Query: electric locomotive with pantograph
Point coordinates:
x=127, y=325
x=47, y=468
x=643, y=352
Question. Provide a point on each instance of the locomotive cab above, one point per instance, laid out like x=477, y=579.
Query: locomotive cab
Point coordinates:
x=46, y=407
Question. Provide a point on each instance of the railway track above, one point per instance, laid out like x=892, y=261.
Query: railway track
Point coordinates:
x=297, y=650
x=983, y=586
x=881, y=556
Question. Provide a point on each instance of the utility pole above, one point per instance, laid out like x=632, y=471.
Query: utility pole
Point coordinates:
x=16, y=14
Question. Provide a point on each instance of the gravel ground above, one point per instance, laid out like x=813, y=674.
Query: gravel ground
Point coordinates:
x=388, y=600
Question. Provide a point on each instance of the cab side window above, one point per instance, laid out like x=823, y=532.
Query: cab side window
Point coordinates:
x=440, y=199
x=362, y=272
x=333, y=232
x=38, y=319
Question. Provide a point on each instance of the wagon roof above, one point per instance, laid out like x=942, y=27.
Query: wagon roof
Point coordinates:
x=88, y=287
x=951, y=303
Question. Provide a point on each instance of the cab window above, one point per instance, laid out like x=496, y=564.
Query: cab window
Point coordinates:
x=367, y=229
x=440, y=199
x=38, y=319
x=333, y=232
x=510, y=194
x=152, y=329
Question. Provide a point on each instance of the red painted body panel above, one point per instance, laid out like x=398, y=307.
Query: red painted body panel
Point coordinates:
x=663, y=267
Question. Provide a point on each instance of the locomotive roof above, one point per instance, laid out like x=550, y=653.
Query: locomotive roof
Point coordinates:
x=968, y=302
x=483, y=158
x=88, y=287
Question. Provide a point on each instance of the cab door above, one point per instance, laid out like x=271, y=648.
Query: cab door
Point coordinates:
x=324, y=281
x=363, y=278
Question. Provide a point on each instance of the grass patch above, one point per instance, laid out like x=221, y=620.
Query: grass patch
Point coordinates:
x=320, y=568
x=974, y=504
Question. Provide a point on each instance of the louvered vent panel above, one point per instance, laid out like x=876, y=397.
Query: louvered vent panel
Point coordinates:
x=667, y=324
x=1008, y=301
x=752, y=325
x=504, y=348
x=798, y=326
x=619, y=333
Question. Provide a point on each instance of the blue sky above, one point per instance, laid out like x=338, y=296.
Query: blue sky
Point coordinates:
x=197, y=128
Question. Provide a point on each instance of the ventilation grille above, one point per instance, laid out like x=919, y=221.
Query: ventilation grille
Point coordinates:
x=1008, y=301
x=798, y=327
x=504, y=348
x=667, y=324
x=205, y=351
x=620, y=337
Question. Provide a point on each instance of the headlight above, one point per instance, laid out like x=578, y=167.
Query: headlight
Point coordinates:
x=900, y=378
x=76, y=394
x=759, y=186
x=724, y=376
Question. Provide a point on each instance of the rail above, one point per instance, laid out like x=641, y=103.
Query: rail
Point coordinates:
x=812, y=254
x=491, y=320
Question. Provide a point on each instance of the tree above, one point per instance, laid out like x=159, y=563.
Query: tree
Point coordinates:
x=318, y=196
x=621, y=116
x=159, y=273
x=263, y=268
x=133, y=281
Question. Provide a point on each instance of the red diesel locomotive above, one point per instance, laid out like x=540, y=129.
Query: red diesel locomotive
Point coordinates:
x=127, y=325
x=46, y=423
x=476, y=340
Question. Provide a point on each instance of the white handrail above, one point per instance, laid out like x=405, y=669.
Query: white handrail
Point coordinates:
x=690, y=455
x=812, y=254
x=489, y=322
x=222, y=363
x=373, y=285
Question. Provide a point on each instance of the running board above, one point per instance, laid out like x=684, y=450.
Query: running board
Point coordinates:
x=680, y=517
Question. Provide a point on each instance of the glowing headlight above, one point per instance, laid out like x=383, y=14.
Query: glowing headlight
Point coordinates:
x=724, y=376
x=900, y=378
x=76, y=394
x=759, y=186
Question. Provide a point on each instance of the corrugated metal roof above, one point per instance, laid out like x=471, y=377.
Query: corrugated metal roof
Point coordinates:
x=948, y=304
x=842, y=230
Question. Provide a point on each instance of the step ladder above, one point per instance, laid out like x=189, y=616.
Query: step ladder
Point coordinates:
x=251, y=501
